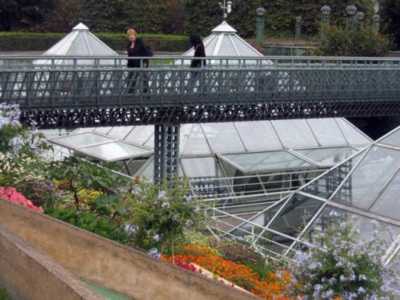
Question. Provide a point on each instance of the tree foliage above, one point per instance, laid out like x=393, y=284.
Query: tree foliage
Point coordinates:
x=23, y=13
x=391, y=17
x=339, y=41
x=171, y=16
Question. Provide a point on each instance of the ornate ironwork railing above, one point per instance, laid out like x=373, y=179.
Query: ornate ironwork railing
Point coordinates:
x=78, y=94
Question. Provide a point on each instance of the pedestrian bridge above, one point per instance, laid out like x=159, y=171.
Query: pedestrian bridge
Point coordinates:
x=55, y=92
x=86, y=91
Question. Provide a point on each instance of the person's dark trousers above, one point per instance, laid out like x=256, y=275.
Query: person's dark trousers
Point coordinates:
x=192, y=82
x=131, y=82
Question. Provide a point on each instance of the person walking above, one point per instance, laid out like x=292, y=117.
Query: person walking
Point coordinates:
x=200, y=53
x=137, y=48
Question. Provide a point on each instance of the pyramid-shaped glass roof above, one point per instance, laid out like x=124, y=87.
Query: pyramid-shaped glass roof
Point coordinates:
x=363, y=190
x=79, y=42
x=224, y=41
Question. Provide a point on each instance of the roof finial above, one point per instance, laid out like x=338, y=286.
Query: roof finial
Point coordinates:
x=226, y=8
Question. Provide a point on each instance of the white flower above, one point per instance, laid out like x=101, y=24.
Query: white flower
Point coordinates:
x=157, y=237
x=131, y=228
x=361, y=290
x=154, y=253
x=165, y=205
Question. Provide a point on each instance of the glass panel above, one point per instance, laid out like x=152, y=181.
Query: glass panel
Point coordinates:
x=258, y=136
x=81, y=140
x=140, y=135
x=387, y=205
x=297, y=213
x=211, y=43
x=223, y=138
x=119, y=133
x=243, y=47
x=196, y=144
x=393, y=139
x=226, y=47
x=327, y=184
x=353, y=135
x=199, y=167
x=135, y=165
x=54, y=133
x=115, y=151
x=247, y=185
x=185, y=131
x=148, y=171
x=327, y=132
x=328, y=157
x=82, y=130
x=366, y=226
x=102, y=130
x=370, y=177
x=270, y=161
x=295, y=134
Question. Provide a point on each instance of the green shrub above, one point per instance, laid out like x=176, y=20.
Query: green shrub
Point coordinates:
x=160, y=217
x=348, y=266
x=28, y=41
x=338, y=41
x=4, y=295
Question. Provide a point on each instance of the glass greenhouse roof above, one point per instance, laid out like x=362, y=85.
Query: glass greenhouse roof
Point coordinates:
x=363, y=190
x=249, y=147
x=224, y=41
x=101, y=147
x=79, y=42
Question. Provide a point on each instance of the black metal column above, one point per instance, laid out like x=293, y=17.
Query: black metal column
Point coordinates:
x=166, y=152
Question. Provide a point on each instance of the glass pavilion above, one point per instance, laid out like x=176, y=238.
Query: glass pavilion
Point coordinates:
x=363, y=190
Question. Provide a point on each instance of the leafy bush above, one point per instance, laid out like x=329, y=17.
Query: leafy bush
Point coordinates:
x=339, y=41
x=41, y=192
x=345, y=269
x=159, y=217
x=92, y=222
x=18, y=148
x=4, y=295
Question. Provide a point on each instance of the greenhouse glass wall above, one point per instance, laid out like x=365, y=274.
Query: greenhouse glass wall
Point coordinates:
x=362, y=191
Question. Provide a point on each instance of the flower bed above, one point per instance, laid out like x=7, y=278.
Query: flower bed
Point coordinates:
x=10, y=194
x=273, y=286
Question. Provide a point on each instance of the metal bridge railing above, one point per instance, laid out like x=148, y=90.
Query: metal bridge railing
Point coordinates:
x=171, y=62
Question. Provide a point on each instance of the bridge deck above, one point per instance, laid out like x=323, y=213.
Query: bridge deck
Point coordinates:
x=66, y=92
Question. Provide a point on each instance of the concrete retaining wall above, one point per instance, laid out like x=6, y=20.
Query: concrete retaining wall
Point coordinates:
x=109, y=264
x=29, y=275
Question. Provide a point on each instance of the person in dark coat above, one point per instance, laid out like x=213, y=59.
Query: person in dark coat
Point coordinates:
x=137, y=48
x=199, y=51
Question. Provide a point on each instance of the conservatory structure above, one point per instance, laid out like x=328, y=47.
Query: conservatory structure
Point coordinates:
x=362, y=191
x=225, y=159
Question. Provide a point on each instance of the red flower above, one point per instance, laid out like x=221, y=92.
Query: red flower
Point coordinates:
x=10, y=194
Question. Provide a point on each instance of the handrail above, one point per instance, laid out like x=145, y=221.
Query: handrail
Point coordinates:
x=171, y=61
x=166, y=57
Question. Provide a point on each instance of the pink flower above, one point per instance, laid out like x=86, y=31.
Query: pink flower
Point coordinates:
x=10, y=194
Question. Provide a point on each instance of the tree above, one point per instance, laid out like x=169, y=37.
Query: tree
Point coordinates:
x=23, y=14
x=64, y=16
x=391, y=16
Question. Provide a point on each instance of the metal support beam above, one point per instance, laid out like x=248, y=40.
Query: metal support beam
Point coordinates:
x=166, y=152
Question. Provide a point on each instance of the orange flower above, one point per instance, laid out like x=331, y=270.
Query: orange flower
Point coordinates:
x=272, y=288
